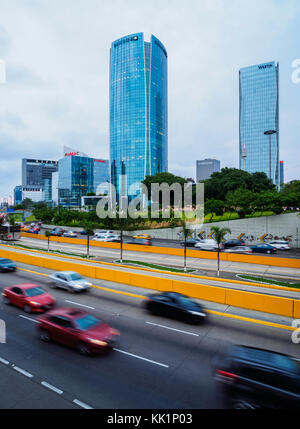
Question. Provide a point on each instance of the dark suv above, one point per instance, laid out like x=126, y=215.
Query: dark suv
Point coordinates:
x=233, y=243
x=256, y=378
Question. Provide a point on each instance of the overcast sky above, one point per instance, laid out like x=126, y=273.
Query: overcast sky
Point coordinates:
x=57, y=75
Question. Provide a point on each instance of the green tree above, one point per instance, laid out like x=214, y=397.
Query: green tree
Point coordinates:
x=219, y=235
x=12, y=222
x=48, y=235
x=89, y=228
x=241, y=201
x=185, y=234
x=214, y=207
x=168, y=178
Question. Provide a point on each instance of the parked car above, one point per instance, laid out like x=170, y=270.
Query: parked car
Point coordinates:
x=264, y=248
x=57, y=232
x=190, y=242
x=77, y=329
x=69, y=280
x=233, y=243
x=257, y=378
x=31, y=297
x=141, y=241
x=176, y=306
x=207, y=245
x=6, y=265
x=70, y=234
x=239, y=249
x=108, y=238
x=280, y=245
x=142, y=236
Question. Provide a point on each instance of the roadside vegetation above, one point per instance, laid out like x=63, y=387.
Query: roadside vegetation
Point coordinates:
x=154, y=266
x=269, y=281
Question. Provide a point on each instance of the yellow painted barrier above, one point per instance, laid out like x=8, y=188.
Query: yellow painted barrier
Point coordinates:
x=204, y=292
x=296, y=314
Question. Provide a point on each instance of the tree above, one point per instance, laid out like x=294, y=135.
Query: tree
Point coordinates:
x=48, y=235
x=88, y=227
x=241, y=201
x=219, y=235
x=122, y=223
x=13, y=224
x=185, y=233
x=168, y=178
x=214, y=207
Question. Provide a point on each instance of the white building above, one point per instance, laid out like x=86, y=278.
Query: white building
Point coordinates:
x=34, y=193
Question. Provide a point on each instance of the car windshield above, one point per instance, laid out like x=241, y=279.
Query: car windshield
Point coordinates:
x=5, y=261
x=75, y=276
x=87, y=322
x=35, y=291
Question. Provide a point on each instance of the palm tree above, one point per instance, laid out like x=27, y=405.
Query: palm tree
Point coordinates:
x=122, y=224
x=12, y=223
x=88, y=227
x=219, y=234
x=48, y=235
x=185, y=233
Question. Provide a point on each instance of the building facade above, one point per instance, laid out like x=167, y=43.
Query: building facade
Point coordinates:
x=206, y=167
x=35, y=172
x=17, y=195
x=33, y=193
x=259, y=113
x=138, y=110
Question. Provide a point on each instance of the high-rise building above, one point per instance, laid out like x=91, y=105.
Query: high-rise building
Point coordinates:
x=35, y=171
x=206, y=167
x=138, y=110
x=259, y=114
x=17, y=195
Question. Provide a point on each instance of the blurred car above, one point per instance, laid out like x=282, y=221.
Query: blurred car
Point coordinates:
x=233, y=243
x=263, y=248
x=239, y=249
x=33, y=231
x=57, y=232
x=25, y=228
x=142, y=236
x=280, y=245
x=141, y=241
x=32, y=298
x=7, y=265
x=69, y=280
x=108, y=238
x=190, y=242
x=207, y=245
x=83, y=232
x=257, y=378
x=70, y=234
x=104, y=232
x=176, y=306
x=77, y=329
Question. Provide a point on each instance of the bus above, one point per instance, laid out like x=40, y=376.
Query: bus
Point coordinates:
x=10, y=233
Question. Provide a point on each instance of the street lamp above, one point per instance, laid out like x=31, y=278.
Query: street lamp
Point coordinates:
x=270, y=133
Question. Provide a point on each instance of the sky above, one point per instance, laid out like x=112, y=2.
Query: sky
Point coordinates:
x=56, y=93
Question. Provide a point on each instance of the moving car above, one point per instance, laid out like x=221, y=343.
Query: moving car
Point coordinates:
x=7, y=265
x=257, y=378
x=78, y=329
x=239, y=249
x=33, y=231
x=176, y=306
x=70, y=234
x=69, y=280
x=57, y=232
x=264, y=248
x=143, y=236
x=108, y=238
x=31, y=297
x=280, y=245
x=233, y=243
x=207, y=245
x=190, y=242
x=101, y=233
x=141, y=241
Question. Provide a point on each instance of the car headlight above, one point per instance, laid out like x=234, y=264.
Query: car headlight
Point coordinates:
x=34, y=303
x=78, y=286
x=97, y=342
x=197, y=313
x=88, y=284
x=114, y=332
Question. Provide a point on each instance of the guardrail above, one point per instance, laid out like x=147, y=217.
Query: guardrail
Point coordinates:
x=248, y=259
x=252, y=301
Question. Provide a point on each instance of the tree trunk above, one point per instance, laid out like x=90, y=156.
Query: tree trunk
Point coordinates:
x=218, y=260
x=48, y=244
x=185, y=255
x=121, y=246
x=88, y=246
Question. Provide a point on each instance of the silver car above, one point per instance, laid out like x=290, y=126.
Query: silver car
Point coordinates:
x=69, y=280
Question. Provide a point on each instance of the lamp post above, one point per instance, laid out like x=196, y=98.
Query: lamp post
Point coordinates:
x=270, y=133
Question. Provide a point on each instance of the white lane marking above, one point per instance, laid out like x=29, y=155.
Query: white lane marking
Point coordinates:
x=82, y=305
x=28, y=318
x=49, y=386
x=4, y=361
x=173, y=329
x=22, y=371
x=82, y=404
x=142, y=358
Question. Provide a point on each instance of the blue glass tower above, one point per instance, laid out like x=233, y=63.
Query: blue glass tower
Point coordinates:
x=259, y=113
x=138, y=110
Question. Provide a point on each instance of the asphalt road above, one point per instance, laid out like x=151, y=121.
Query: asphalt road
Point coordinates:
x=159, y=363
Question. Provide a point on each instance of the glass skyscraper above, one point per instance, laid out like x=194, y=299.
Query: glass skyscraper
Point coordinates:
x=138, y=110
x=259, y=112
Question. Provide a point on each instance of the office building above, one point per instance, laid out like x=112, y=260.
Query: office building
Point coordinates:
x=138, y=110
x=17, y=195
x=259, y=114
x=54, y=186
x=35, y=172
x=33, y=193
x=206, y=167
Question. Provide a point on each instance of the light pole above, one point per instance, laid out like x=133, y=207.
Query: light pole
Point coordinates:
x=270, y=133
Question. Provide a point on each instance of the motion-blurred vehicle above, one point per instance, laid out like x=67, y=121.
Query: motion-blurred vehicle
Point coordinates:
x=264, y=248
x=77, y=329
x=25, y=228
x=7, y=265
x=103, y=232
x=83, y=232
x=175, y=306
x=57, y=232
x=190, y=242
x=280, y=245
x=70, y=234
x=141, y=241
x=142, y=236
x=233, y=243
x=69, y=280
x=208, y=244
x=33, y=231
x=32, y=298
x=239, y=249
x=257, y=378
x=108, y=238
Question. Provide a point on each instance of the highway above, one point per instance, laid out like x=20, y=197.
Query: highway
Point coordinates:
x=159, y=363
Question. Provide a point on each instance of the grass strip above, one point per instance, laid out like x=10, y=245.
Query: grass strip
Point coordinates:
x=53, y=251
x=270, y=281
x=156, y=267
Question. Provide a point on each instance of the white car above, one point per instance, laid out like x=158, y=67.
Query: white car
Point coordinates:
x=208, y=244
x=69, y=280
x=107, y=238
x=103, y=233
x=71, y=234
x=280, y=245
x=239, y=249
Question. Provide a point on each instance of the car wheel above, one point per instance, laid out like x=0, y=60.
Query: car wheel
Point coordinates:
x=243, y=404
x=71, y=290
x=268, y=252
x=44, y=336
x=6, y=300
x=83, y=348
x=53, y=285
x=27, y=309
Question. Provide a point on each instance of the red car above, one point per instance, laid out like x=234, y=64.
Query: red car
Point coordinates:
x=78, y=329
x=32, y=298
